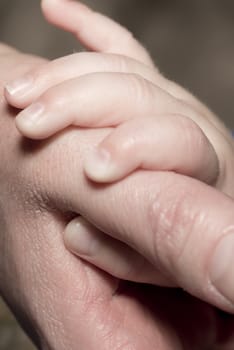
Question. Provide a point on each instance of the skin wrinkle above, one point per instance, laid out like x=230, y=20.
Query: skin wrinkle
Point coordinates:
x=189, y=222
x=193, y=132
x=226, y=169
x=35, y=176
x=210, y=286
x=91, y=62
x=36, y=275
x=52, y=326
x=162, y=222
x=162, y=249
x=170, y=236
x=19, y=299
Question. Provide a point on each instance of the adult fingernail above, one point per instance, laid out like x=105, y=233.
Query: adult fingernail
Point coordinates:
x=19, y=87
x=31, y=116
x=222, y=267
x=80, y=238
x=99, y=165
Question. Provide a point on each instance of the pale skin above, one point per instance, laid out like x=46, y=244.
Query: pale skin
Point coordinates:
x=158, y=125
x=169, y=130
x=41, y=201
x=63, y=302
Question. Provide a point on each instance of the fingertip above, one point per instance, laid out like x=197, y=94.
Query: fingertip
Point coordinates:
x=54, y=11
x=23, y=129
x=48, y=8
x=45, y=4
x=9, y=98
x=28, y=122
x=26, y=131
x=80, y=237
x=16, y=91
x=99, y=166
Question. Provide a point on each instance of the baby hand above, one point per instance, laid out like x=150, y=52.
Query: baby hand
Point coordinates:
x=158, y=125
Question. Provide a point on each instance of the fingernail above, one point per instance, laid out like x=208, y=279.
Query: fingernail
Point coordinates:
x=19, y=87
x=222, y=267
x=31, y=116
x=80, y=238
x=99, y=165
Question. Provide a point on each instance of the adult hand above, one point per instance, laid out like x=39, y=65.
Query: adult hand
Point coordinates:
x=62, y=302
x=175, y=224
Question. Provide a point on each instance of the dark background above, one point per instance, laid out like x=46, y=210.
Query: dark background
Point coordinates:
x=190, y=40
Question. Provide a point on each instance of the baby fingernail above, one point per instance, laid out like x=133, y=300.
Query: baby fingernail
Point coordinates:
x=30, y=116
x=19, y=87
x=99, y=165
x=222, y=271
x=80, y=238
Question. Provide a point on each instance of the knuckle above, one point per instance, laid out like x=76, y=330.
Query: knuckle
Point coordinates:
x=193, y=135
x=54, y=98
x=172, y=223
x=140, y=88
x=120, y=142
x=46, y=72
x=128, y=40
x=104, y=62
x=191, y=128
x=118, y=63
x=198, y=145
x=42, y=72
x=49, y=98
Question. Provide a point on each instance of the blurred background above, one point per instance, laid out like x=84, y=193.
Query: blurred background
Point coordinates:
x=190, y=40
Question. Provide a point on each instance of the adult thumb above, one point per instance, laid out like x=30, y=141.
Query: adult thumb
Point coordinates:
x=181, y=226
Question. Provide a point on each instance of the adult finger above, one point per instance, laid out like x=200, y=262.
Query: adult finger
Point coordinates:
x=181, y=226
x=178, y=223
x=106, y=35
x=165, y=142
x=109, y=254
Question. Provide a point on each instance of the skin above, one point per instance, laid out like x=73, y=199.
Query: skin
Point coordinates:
x=187, y=128
x=157, y=256
x=60, y=300
x=35, y=207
